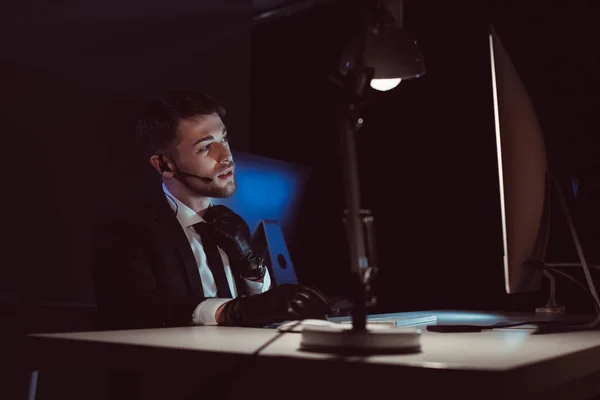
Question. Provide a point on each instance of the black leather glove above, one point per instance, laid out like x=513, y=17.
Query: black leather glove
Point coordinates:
x=282, y=303
x=232, y=234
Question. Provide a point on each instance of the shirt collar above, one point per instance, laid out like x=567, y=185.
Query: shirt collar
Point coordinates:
x=185, y=215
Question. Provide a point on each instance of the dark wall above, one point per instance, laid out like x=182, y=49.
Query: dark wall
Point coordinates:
x=416, y=155
x=291, y=119
x=70, y=73
x=427, y=152
x=70, y=76
x=69, y=82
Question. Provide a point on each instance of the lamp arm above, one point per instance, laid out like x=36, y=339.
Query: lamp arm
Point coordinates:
x=356, y=242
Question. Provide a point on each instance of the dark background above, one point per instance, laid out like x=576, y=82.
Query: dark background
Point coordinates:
x=70, y=83
x=427, y=152
x=70, y=74
x=71, y=78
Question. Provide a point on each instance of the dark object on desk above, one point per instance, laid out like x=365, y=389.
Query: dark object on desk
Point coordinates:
x=454, y=328
x=282, y=303
x=463, y=328
x=545, y=327
x=569, y=323
x=340, y=307
x=552, y=327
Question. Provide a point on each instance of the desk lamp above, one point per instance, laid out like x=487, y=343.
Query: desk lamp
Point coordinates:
x=380, y=55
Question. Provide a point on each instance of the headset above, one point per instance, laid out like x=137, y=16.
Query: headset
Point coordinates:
x=165, y=168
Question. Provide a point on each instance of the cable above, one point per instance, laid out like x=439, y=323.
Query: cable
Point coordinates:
x=552, y=294
x=563, y=265
x=586, y=270
x=174, y=202
x=596, y=306
x=254, y=356
x=223, y=381
x=555, y=267
x=275, y=338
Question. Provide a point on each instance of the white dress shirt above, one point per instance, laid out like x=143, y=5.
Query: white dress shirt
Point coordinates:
x=204, y=314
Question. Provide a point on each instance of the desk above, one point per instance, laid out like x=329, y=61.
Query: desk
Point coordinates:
x=500, y=364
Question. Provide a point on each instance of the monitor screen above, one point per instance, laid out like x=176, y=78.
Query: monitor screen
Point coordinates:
x=522, y=170
x=268, y=189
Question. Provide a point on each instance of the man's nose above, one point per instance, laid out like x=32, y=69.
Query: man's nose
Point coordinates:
x=224, y=156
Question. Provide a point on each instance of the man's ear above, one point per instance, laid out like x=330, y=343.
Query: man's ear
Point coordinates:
x=161, y=165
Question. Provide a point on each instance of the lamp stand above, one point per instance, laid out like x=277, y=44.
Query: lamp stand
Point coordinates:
x=359, y=337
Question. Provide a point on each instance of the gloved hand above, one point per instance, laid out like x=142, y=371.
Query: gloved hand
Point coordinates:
x=232, y=234
x=282, y=303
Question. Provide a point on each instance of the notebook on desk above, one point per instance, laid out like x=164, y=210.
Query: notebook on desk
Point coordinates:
x=342, y=308
x=398, y=320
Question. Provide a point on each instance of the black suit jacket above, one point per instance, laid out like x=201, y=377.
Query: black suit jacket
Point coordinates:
x=145, y=273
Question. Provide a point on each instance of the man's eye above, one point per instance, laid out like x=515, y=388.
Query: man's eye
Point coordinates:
x=205, y=149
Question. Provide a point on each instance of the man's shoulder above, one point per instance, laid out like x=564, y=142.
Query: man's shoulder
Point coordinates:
x=136, y=213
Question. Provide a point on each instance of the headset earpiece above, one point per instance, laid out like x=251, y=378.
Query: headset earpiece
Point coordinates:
x=162, y=165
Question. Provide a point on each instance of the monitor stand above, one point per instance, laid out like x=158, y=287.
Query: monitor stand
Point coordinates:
x=553, y=313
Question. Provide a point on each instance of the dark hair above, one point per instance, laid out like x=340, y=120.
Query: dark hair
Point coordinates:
x=158, y=120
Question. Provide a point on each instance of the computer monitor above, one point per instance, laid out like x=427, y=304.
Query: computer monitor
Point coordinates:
x=522, y=171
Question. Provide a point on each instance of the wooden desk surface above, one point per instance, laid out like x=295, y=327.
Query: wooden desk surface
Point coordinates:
x=511, y=363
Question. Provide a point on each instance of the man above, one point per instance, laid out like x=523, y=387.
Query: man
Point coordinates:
x=180, y=260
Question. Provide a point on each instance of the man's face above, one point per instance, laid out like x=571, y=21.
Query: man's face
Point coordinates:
x=201, y=148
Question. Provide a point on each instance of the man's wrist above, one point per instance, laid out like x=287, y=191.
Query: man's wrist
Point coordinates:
x=220, y=314
x=256, y=270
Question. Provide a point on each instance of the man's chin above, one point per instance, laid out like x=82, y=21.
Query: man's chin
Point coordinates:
x=224, y=191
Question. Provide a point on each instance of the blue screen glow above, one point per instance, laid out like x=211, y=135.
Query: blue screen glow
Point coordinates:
x=267, y=189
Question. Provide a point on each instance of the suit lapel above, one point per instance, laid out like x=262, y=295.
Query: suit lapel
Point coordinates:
x=174, y=234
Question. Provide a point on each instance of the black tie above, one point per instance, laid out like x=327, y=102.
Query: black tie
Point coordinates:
x=213, y=259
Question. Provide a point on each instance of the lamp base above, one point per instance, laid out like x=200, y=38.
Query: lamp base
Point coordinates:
x=374, y=339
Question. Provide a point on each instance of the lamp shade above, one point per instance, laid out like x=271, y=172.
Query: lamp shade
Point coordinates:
x=393, y=53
